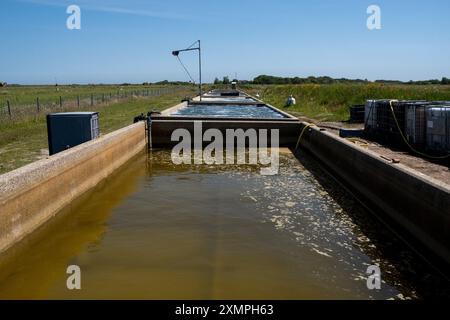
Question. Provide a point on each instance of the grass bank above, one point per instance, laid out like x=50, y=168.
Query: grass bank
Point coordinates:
x=331, y=102
x=25, y=95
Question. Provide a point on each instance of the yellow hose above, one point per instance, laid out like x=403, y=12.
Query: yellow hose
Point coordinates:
x=301, y=134
x=406, y=141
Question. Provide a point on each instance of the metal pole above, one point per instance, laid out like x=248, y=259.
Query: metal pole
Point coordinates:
x=200, y=67
x=9, y=108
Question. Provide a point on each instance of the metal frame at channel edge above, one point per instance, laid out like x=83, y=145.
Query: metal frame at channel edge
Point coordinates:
x=148, y=130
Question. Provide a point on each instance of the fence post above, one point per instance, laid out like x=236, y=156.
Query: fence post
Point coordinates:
x=9, y=108
x=92, y=99
x=78, y=101
x=38, y=105
x=60, y=102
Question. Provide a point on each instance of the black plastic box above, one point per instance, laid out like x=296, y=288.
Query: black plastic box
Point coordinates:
x=69, y=129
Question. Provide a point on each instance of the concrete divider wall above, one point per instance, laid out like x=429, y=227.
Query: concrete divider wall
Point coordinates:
x=162, y=130
x=31, y=195
x=419, y=204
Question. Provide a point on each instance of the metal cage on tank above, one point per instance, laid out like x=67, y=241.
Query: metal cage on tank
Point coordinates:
x=415, y=123
x=388, y=125
x=438, y=128
x=370, y=116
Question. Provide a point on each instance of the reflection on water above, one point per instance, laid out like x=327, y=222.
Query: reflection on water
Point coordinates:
x=160, y=231
x=33, y=267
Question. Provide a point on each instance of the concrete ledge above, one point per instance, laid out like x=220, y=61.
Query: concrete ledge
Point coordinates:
x=169, y=111
x=417, y=204
x=212, y=118
x=218, y=102
x=287, y=115
x=31, y=195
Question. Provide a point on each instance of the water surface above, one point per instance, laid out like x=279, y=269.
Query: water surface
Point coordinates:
x=159, y=231
x=229, y=110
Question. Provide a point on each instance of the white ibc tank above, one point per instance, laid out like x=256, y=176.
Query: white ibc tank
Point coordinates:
x=370, y=115
x=438, y=128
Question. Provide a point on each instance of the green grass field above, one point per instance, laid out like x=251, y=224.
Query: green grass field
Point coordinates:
x=25, y=95
x=331, y=102
x=33, y=101
x=22, y=142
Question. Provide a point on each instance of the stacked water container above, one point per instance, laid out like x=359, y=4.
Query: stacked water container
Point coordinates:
x=424, y=124
x=415, y=120
x=438, y=127
x=380, y=123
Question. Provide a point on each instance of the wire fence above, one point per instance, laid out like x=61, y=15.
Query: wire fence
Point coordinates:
x=14, y=112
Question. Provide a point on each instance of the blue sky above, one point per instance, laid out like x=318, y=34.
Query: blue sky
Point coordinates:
x=131, y=41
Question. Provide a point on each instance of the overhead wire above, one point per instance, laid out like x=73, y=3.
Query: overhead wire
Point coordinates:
x=185, y=69
x=192, y=44
x=182, y=64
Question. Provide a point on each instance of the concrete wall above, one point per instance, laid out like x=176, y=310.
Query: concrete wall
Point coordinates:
x=162, y=129
x=417, y=204
x=31, y=195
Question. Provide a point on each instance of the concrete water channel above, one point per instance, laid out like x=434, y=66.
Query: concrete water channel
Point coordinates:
x=156, y=230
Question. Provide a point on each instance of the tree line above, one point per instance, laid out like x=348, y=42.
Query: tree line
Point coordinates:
x=265, y=79
x=226, y=80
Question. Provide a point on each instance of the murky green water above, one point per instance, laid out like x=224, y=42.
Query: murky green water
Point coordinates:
x=159, y=231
